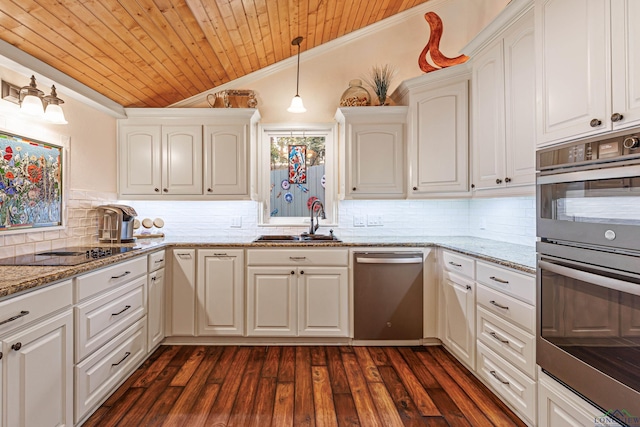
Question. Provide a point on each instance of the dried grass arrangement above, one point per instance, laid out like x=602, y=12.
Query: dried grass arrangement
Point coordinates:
x=379, y=78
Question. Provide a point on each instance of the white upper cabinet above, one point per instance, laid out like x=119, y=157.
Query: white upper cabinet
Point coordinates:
x=140, y=151
x=226, y=160
x=182, y=159
x=588, y=76
x=438, y=135
x=375, y=151
x=503, y=108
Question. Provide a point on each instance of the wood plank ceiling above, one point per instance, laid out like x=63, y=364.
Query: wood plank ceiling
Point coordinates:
x=153, y=53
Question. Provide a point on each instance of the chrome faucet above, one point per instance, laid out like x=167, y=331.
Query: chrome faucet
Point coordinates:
x=313, y=228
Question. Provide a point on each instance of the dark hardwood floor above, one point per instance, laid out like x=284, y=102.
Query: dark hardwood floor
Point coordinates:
x=302, y=386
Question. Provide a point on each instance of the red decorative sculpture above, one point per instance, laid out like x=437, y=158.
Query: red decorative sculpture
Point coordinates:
x=433, y=47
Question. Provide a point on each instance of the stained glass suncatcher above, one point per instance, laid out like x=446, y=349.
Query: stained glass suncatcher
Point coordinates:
x=297, y=164
x=30, y=183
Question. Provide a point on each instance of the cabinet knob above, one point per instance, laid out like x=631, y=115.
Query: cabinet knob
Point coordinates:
x=293, y=272
x=507, y=179
x=353, y=189
x=473, y=186
x=415, y=188
x=209, y=190
x=0, y=355
x=616, y=117
x=301, y=271
x=165, y=190
x=594, y=123
x=17, y=346
x=498, y=181
x=157, y=190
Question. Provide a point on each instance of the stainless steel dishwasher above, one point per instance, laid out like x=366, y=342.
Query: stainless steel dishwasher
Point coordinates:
x=387, y=295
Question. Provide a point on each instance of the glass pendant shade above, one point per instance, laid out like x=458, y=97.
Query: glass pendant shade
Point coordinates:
x=31, y=104
x=296, y=105
x=54, y=114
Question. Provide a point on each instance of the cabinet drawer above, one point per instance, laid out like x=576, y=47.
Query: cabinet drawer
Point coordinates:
x=109, y=277
x=517, y=285
x=26, y=308
x=98, y=374
x=458, y=263
x=156, y=261
x=513, y=386
x=297, y=257
x=508, y=308
x=102, y=318
x=507, y=340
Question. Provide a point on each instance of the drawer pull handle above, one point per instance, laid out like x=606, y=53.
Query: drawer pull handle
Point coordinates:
x=468, y=287
x=127, y=354
x=496, y=336
x=297, y=258
x=504, y=307
x=16, y=317
x=126, y=307
x=154, y=278
x=220, y=254
x=499, y=280
x=121, y=276
x=184, y=256
x=498, y=378
x=455, y=264
x=158, y=261
x=17, y=346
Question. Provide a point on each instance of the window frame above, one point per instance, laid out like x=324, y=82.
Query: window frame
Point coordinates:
x=327, y=130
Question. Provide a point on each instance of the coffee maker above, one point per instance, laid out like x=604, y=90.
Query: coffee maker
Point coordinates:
x=115, y=223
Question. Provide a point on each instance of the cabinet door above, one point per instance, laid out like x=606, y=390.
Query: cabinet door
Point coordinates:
x=38, y=385
x=271, y=301
x=182, y=300
x=155, y=309
x=182, y=159
x=520, y=103
x=225, y=157
x=220, y=302
x=459, y=318
x=140, y=160
x=572, y=67
x=559, y=407
x=376, y=160
x=488, y=119
x=442, y=140
x=625, y=62
x=323, y=298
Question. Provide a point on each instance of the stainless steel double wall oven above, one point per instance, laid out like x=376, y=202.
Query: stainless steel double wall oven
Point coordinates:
x=588, y=282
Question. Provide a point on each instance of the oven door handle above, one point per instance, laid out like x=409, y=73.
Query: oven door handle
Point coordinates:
x=590, y=175
x=596, y=279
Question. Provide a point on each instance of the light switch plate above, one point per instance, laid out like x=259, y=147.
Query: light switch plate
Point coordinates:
x=236, y=222
x=374, y=221
x=358, y=221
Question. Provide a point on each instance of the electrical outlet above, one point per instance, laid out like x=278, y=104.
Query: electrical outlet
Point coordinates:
x=483, y=223
x=374, y=220
x=236, y=222
x=358, y=221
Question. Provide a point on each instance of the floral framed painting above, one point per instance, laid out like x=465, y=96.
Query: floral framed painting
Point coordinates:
x=30, y=183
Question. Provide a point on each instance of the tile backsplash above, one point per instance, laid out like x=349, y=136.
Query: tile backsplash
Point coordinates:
x=510, y=220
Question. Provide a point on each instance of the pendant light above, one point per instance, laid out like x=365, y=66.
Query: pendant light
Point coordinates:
x=296, y=103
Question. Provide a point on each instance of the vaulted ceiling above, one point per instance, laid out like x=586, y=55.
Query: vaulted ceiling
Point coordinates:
x=153, y=53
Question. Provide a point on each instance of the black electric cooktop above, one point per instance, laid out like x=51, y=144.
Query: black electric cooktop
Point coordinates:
x=66, y=256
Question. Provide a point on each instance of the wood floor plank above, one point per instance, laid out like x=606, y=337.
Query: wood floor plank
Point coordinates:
x=417, y=392
x=481, y=396
x=378, y=355
x=325, y=409
x=199, y=412
x=369, y=368
x=405, y=406
x=263, y=403
x=283, y=407
x=219, y=372
x=158, y=412
x=271, y=362
x=180, y=411
x=156, y=367
x=346, y=410
x=121, y=407
x=182, y=355
x=304, y=414
x=188, y=367
x=384, y=403
x=221, y=411
x=450, y=411
x=287, y=368
x=241, y=414
x=339, y=382
x=96, y=418
x=318, y=356
x=421, y=372
x=361, y=396
x=124, y=387
x=471, y=411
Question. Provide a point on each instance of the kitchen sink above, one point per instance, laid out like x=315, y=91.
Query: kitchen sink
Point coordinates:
x=292, y=238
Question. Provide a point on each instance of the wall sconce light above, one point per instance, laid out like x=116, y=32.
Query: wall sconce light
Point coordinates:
x=296, y=103
x=33, y=101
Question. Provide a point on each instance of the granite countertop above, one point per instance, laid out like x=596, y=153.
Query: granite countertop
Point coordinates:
x=17, y=279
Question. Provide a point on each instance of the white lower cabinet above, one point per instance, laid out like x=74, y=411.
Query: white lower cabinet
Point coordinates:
x=155, y=315
x=459, y=317
x=182, y=296
x=220, y=292
x=308, y=297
